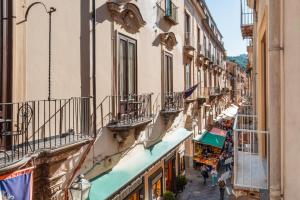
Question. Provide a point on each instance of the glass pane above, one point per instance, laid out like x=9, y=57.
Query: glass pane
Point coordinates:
x=187, y=76
x=166, y=74
x=170, y=74
x=122, y=59
x=131, y=69
x=168, y=8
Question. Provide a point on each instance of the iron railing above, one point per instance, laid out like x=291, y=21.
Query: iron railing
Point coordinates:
x=199, y=47
x=251, y=154
x=188, y=39
x=173, y=101
x=208, y=53
x=202, y=92
x=213, y=91
x=171, y=11
x=247, y=19
x=124, y=110
x=46, y=124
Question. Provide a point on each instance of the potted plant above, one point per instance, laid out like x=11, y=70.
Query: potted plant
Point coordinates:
x=181, y=182
x=169, y=195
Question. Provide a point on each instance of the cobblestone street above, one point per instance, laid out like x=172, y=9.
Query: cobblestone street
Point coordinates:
x=196, y=190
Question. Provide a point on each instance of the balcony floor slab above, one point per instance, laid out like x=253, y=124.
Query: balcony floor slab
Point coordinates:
x=251, y=171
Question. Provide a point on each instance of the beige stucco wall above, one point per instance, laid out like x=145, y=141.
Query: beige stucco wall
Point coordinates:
x=291, y=98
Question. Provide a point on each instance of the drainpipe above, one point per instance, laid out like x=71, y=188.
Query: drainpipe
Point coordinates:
x=274, y=110
x=94, y=68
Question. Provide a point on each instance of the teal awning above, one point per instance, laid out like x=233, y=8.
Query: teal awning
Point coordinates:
x=133, y=164
x=211, y=139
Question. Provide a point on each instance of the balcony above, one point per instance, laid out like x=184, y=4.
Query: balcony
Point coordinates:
x=207, y=55
x=202, y=95
x=173, y=103
x=251, y=154
x=246, y=20
x=199, y=49
x=214, y=91
x=31, y=126
x=125, y=112
x=171, y=12
x=189, y=41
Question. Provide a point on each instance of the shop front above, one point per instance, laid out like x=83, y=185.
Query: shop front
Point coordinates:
x=156, y=185
x=170, y=174
x=140, y=175
x=208, y=147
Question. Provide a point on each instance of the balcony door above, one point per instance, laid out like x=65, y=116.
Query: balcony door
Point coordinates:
x=187, y=75
x=168, y=7
x=168, y=73
x=127, y=68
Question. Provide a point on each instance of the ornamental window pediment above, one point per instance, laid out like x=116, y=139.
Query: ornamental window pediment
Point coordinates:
x=168, y=39
x=127, y=14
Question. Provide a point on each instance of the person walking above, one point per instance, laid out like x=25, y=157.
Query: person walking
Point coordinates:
x=222, y=185
x=204, y=173
x=214, y=176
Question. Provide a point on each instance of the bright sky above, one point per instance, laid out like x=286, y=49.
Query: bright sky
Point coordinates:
x=226, y=14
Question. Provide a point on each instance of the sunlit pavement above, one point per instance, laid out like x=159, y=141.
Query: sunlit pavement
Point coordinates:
x=196, y=190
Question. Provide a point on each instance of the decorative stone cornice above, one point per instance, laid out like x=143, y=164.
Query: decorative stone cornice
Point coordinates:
x=168, y=39
x=127, y=14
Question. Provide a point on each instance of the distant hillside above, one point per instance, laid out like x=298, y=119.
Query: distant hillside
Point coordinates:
x=242, y=60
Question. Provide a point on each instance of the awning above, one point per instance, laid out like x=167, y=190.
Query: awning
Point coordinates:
x=211, y=139
x=134, y=164
x=218, y=131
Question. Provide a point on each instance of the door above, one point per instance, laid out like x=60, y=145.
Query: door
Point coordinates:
x=187, y=75
x=127, y=76
x=168, y=73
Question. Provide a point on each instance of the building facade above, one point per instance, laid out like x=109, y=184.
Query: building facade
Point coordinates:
x=271, y=28
x=159, y=77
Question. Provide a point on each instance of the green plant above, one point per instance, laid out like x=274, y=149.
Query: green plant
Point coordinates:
x=181, y=181
x=169, y=195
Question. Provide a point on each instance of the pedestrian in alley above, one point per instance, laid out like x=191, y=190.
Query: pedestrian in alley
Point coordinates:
x=204, y=173
x=214, y=176
x=222, y=185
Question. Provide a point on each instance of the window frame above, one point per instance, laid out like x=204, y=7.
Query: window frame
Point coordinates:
x=128, y=40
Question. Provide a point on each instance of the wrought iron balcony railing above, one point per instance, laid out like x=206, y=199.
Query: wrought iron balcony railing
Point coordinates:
x=251, y=154
x=214, y=91
x=247, y=20
x=199, y=48
x=124, y=112
x=27, y=127
x=173, y=102
x=202, y=92
x=171, y=11
x=188, y=40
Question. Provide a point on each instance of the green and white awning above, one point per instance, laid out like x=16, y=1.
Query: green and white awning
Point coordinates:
x=134, y=164
x=211, y=139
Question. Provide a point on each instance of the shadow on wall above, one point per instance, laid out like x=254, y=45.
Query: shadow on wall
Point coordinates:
x=102, y=14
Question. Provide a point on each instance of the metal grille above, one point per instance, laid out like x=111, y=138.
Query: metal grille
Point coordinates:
x=251, y=153
x=44, y=124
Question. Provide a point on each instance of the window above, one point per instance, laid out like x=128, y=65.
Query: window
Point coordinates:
x=187, y=23
x=127, y=67
x=187, y=75
x=199, y=81
x=156, y=185
x=204, y=44
x=198, y=39
x=168, y=73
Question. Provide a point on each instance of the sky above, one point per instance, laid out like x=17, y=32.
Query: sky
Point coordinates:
x=226, y=14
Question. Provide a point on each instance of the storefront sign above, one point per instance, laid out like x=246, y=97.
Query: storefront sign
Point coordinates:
x=129, y=189
x=16, y=185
